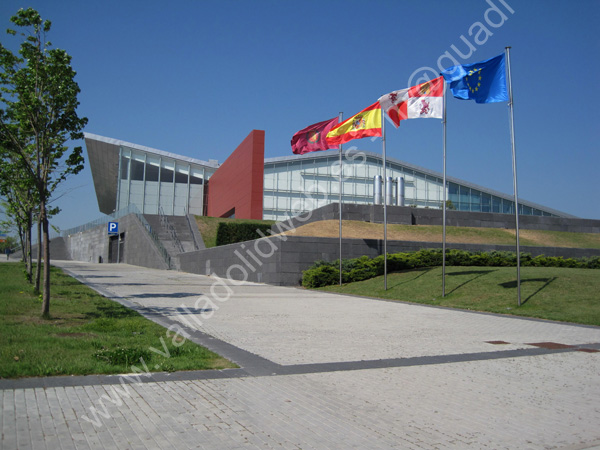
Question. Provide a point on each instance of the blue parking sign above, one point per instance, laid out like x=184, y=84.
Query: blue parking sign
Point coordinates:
x=113, y=227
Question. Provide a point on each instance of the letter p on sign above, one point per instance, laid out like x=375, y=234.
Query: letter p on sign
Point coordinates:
x=113, y=227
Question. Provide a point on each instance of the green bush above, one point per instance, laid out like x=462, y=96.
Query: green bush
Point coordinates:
x=399, y=261
x=427, y=258
x=591, y=263
x=232, y=232
x=324, y=273
x=320, y=276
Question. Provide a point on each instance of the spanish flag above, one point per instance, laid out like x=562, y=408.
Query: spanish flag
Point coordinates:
x=364, y=124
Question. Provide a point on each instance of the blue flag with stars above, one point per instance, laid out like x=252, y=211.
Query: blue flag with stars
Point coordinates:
x=484, y=82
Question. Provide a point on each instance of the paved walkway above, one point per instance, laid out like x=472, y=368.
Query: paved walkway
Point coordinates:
x=319, y=371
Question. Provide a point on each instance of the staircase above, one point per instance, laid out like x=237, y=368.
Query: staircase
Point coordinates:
x=174, y=233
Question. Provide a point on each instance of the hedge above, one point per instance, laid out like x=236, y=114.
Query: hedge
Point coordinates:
x=324, y=273
x=232, y=232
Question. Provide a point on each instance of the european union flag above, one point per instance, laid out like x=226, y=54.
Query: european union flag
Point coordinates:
x=484, y=82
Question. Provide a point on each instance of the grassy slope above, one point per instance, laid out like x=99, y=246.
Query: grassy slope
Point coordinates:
x=563, y=294
x=208, y=227
x=433, y=233
x=82, y=324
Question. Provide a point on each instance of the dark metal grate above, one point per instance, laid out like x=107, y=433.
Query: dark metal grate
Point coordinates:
x=551, y=345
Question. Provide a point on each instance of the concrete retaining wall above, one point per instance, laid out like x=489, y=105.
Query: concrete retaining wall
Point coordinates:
x=138, y=248
x=89, y=245
x=280, y=260
x=58, y=250
x=420, y=216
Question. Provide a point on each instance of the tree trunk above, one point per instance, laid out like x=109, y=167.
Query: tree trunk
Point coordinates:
x=46, y=293
x=38, y=270
x=22, y=240
x=28, y=261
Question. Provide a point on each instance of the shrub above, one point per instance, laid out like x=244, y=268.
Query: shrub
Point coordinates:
x=324, y=273
x=232, y=232
x=503, y=259
x=591, y=263
x=426, y=258
x=399, y=261
x=360, y=274
x=458, y=258
x=320, y=276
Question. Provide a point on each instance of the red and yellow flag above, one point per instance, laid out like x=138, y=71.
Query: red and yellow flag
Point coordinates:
x=364, y=124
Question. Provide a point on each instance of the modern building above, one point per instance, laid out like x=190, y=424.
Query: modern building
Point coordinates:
x=247, y=185
x=150, y=179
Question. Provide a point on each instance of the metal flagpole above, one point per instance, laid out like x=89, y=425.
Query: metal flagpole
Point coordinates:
x=514, y=165
x=444, y=197
x=384, y=204
x=340, y=202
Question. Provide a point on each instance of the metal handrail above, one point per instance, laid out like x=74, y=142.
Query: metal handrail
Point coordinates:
x=163, y=251
x=164, y=221
x=131, y=209
x=187, y=217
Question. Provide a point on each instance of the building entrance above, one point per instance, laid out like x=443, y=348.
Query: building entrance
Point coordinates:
x=116, y=248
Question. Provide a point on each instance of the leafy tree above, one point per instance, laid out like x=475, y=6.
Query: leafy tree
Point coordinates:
x=38, y=102
x=8, y=242
x=20, y=205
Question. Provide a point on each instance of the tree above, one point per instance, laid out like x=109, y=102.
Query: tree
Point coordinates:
x=38, y=102
x=8, y=242
x=20, y=204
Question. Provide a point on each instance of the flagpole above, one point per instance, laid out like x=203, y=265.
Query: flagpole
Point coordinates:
x=514, y=165
x=444, y=197
x=340, y=201
x=384, y=203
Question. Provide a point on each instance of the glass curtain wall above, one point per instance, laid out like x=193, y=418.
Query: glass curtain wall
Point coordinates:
x=295, y=186
x=152, y=182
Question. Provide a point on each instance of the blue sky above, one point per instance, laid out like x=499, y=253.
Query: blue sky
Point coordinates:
x=195, y=77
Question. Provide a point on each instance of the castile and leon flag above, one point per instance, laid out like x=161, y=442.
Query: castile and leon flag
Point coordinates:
x=425, y=100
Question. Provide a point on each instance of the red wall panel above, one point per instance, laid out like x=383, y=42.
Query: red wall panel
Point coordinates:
x=238, y=182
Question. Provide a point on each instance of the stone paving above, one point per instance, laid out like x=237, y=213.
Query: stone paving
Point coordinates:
x=319, y=371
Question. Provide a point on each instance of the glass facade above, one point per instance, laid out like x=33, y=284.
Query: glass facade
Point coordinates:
x=151, y=181
x=296, y=184
x=299, y=184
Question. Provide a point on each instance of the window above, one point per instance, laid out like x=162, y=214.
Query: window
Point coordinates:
x=453, y=193
x=496, y=204
x=166, y=174
x=181, y=177
x=465, y=200
x=137, y=170
x=124, y=167
x=486, y=202
x=195, y=179
x=151, y=172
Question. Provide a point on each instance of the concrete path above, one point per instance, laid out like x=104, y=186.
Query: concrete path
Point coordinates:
x=319, y=371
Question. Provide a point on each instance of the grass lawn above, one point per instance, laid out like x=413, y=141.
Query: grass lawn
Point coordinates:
x=208, y=227
x=85, y=334
x=433, y=233
x=570, y=295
